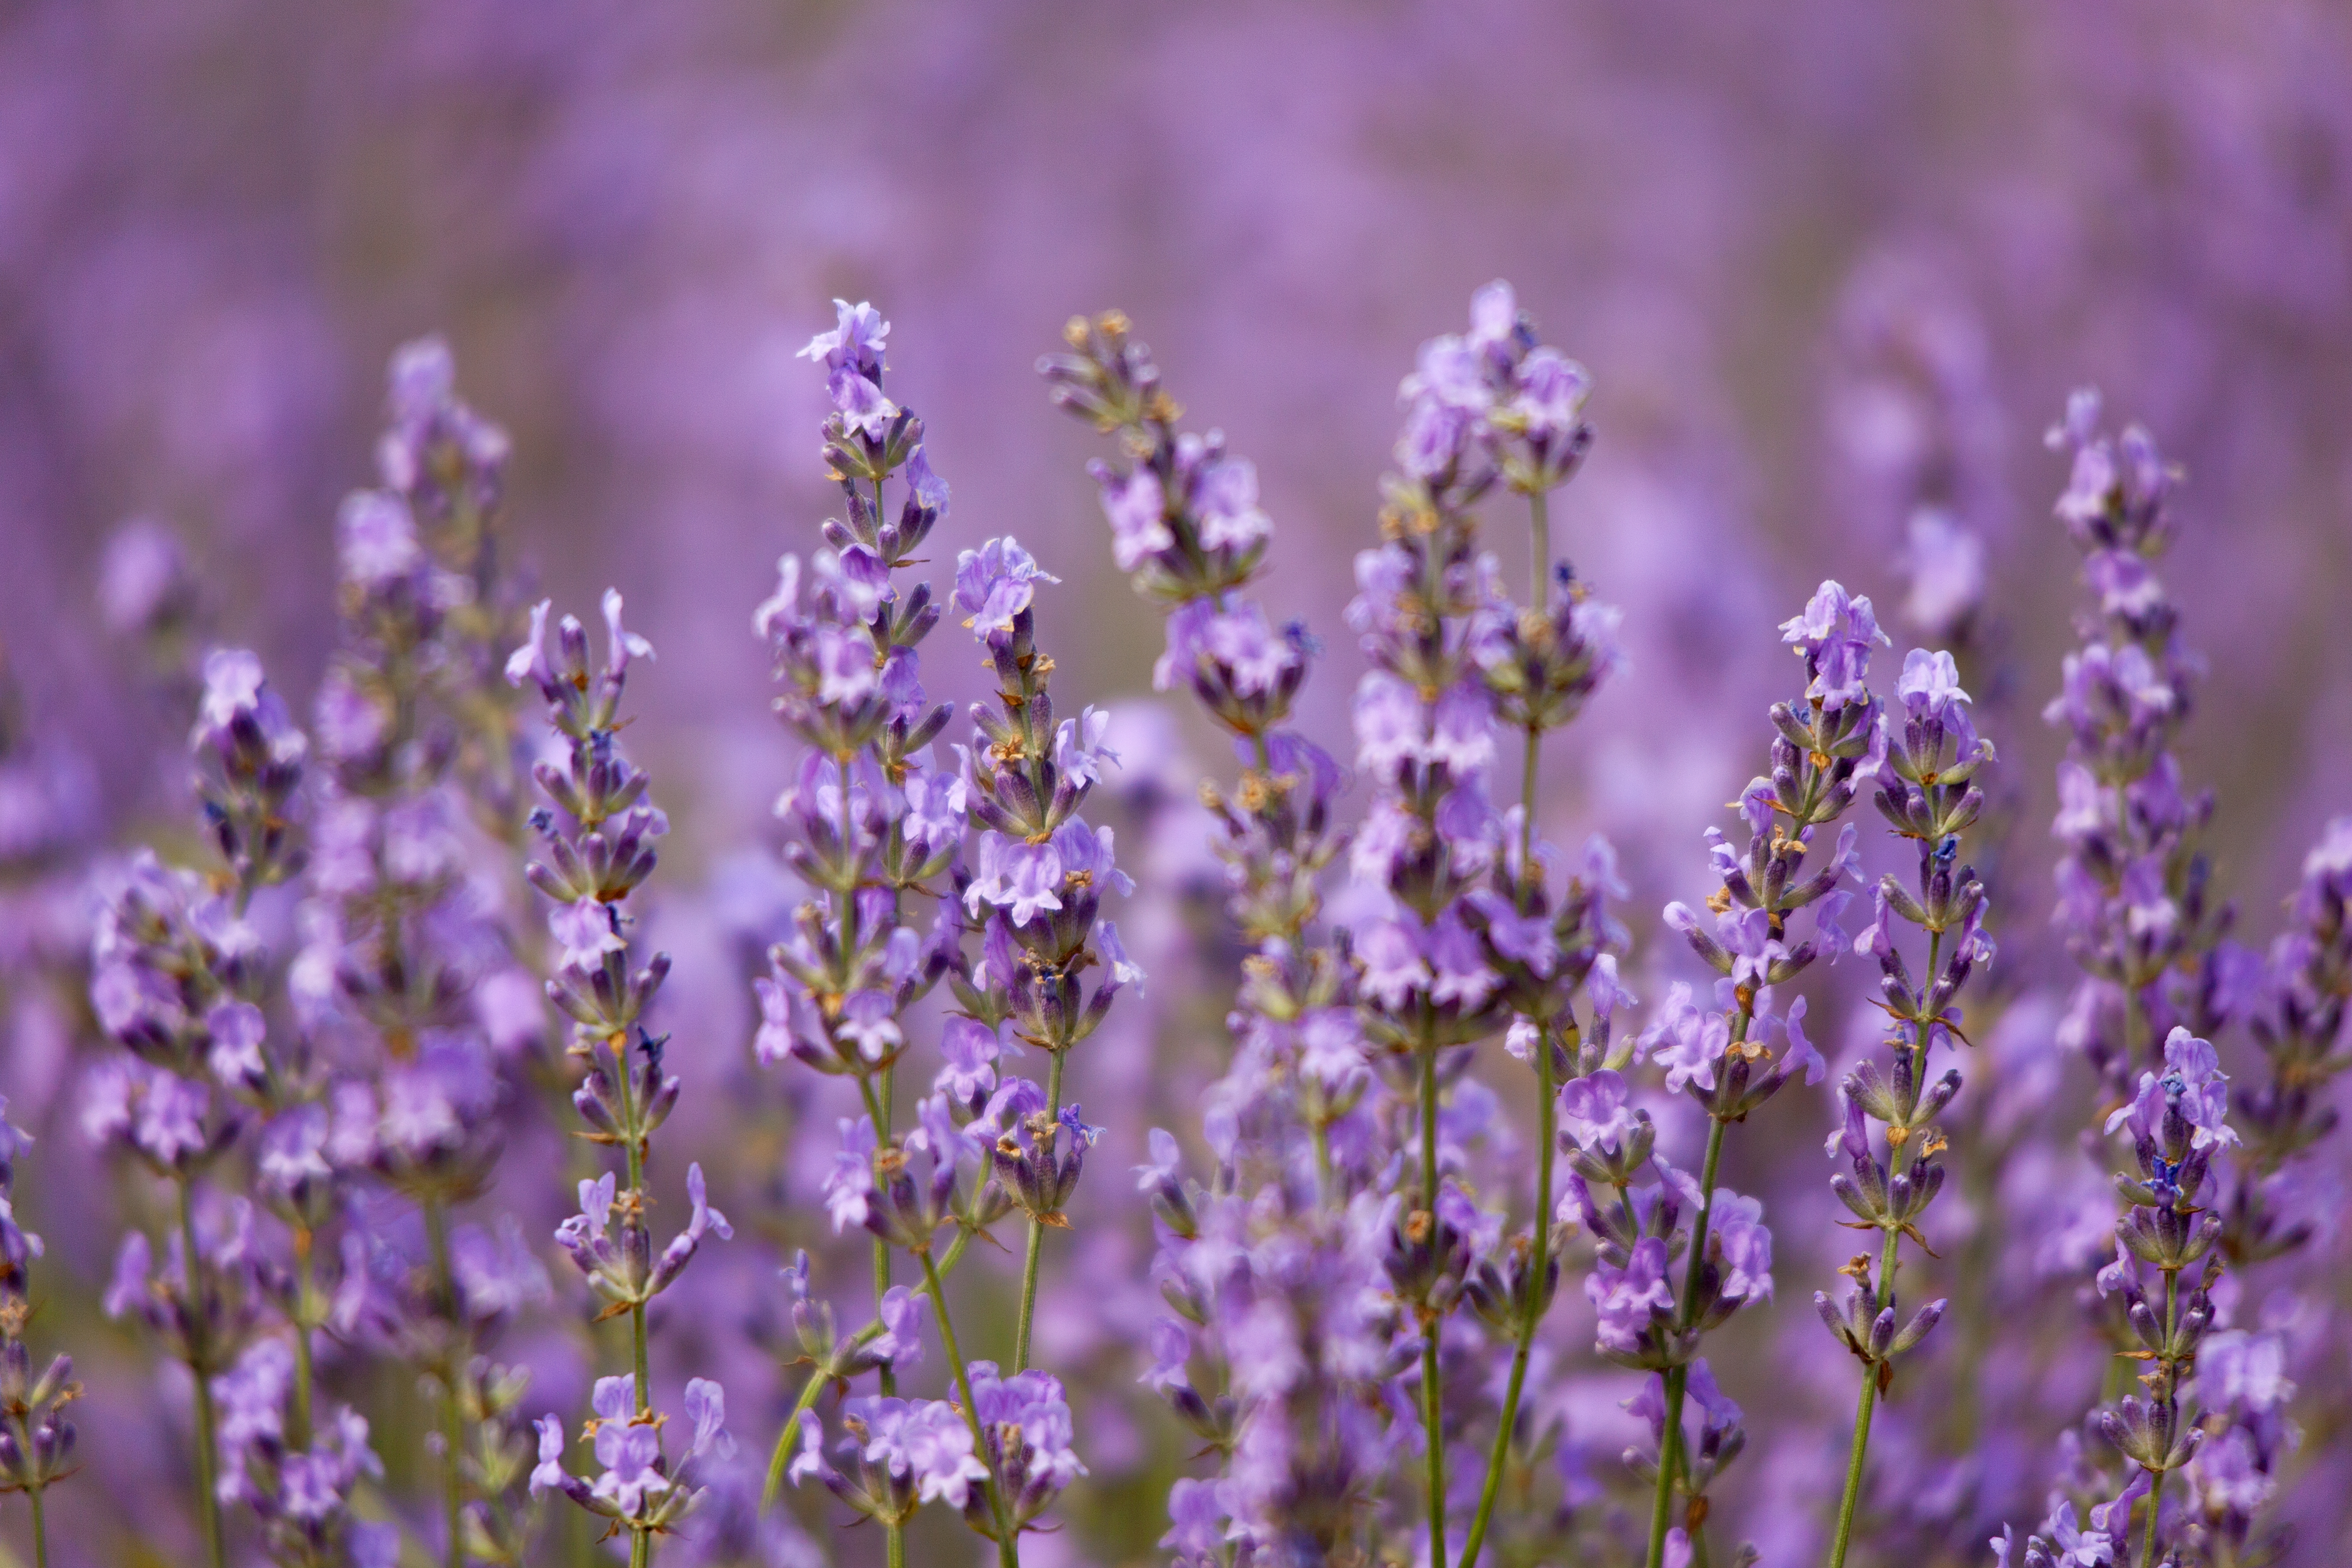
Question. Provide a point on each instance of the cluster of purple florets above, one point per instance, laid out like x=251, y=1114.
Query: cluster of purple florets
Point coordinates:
x=421, y=927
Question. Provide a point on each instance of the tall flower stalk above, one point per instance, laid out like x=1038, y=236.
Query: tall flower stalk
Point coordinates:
x=178, y=975
x=37, y=1438
x=1927, y=793
x=880, y=826
x=1278, y=1349
x=1831, y=742
x=598, y=828
x=409, y=969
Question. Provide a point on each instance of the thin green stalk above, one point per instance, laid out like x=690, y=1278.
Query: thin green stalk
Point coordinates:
x=40, y=1532
x=1008, y=1552
x=633, y=1149
x=1669, y=1464
x=1854, y=1463
x=1539, y=544
x=453, y=1429
x=1432, y=1417
x=1537, y=1302
x=809, y=1390
x=300, y=1437
x=207, y=1451
x=1670, y=1449
x=1899, y=1160
x=2171, y=1393
x=1037, y=1228
x=641, y=1542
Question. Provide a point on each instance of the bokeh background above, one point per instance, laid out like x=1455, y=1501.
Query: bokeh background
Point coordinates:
x=1828, y=261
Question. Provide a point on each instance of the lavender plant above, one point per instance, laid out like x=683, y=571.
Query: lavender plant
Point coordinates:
x=37, y=1438
x=1832, y=740
x=598, y=827
x=409, y=969
x=880, y=826
x=1357, y=1259
x=177, y=974
x=1927, y=792
x=1470, y=939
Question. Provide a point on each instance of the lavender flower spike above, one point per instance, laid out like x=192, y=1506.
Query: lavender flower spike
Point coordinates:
x=37, y=1439
x=599, y=830
x=1830, y=741
x=1927, y=794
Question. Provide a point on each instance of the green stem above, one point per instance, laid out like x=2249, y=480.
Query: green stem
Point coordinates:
x=1008, y=1552
x=1669, y=1464
x=40, y=1531
x=1038, y=1226
x=2171, y=1395
x=300, y=1437
x=1321, y=1131
x=453, y=1429
x=1677, y=1377
x=1539, y=543
x=1538, y=1297
x=779, y=1460
x=207, y=1451
x=641, y=1548
x=1898, y=1161
x=1432, y=1405
x=1854, y=1463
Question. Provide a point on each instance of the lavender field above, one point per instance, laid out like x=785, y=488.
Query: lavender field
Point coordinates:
x=790, y=783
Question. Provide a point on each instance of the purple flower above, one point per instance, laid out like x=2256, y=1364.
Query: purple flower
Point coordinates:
x=631, y=1454
x=1196, y=1523
x=857, y=340
x=1629, y=1299
x=583, y=929
x=1025, y=880
x=934, y=1447
x=1685, y=1041
x=1746, y=1247
x=549, y=1471
x=1597, y=1109
x=1930, y=686
x=705, y=1407
x=2193, y=1079
x=810, y=1461
x=1137, y=506
x=903, y=1313
x=851, y=1181
x=1835, y=635
x=1078, y=749
x=377, y=539
x=994, y=583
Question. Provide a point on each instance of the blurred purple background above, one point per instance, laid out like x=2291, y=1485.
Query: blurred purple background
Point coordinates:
x=1828, y=261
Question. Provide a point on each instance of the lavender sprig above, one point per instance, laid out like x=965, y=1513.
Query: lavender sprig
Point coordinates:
x=2298, y=1021
x=2135, y=895
x=177, y=973
x=1280, y=1349
x=599, y=830
x=37, y=1438
x=1831, y=742
x=2178, y=1124
x=880, y=824
x=2135, y=900
x=877, y=824
x=297, y=1480
x=1927, y=792
x=407, y=960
